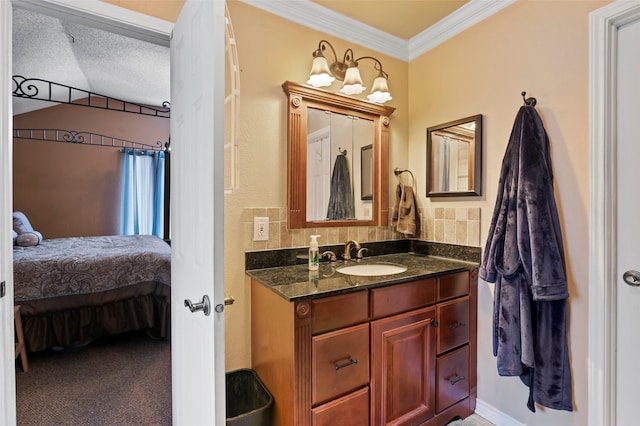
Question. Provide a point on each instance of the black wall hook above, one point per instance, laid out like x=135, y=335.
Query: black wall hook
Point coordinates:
x=528, y=101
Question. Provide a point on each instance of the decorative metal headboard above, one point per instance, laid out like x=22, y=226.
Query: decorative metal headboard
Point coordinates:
x=44, y=90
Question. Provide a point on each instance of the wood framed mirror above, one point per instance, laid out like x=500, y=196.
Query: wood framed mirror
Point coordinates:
x=454, y=158
x=328, y=136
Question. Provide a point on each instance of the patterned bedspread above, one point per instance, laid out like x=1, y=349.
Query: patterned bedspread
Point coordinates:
x=81, y=265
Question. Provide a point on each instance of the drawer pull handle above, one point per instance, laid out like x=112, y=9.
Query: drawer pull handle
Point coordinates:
x=346, y=364
x=456, y=380
x=457, y=325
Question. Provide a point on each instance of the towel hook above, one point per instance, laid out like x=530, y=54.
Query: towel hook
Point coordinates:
x=528, y=101
x=342, y=152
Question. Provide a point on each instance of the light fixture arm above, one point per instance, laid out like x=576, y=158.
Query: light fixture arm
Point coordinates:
x=377, y=66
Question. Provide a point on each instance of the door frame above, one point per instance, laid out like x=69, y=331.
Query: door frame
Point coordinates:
x=93, y=13
x=604, y=24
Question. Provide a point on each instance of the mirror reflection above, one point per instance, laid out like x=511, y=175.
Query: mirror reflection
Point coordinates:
x=334, y=170
x=453, y=158
x=337, y=159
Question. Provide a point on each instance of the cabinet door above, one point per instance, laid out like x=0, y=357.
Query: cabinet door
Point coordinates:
x=403, y=356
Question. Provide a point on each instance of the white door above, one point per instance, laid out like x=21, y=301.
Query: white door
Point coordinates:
x=614, y=316
x=628, y=224
x=7, y=382
x=197, y=342
x=197, y=187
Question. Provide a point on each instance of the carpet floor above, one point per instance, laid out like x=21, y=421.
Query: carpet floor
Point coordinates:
x=118, y=380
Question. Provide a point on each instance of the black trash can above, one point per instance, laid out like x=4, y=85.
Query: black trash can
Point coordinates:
x=249, y=403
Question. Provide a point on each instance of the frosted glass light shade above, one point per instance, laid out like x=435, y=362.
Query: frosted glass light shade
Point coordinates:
x=352, y=82
x=320, y=75
x=380, y=91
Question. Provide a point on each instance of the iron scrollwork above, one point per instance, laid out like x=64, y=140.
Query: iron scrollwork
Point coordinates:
x=44, y=90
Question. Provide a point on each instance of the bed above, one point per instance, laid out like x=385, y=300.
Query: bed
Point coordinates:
x=73, y=290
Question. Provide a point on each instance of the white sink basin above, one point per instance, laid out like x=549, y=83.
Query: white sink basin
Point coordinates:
x=372, y=269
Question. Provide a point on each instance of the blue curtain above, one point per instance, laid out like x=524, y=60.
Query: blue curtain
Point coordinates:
x=142, y=194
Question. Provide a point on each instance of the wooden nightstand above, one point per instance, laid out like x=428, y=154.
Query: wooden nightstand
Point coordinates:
x=20, y=347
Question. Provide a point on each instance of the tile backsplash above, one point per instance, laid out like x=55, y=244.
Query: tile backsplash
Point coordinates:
x=450, y=225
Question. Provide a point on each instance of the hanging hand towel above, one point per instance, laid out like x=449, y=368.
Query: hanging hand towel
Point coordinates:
x=406, y=216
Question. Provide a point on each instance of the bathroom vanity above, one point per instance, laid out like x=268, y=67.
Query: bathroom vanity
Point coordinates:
x=367, y=350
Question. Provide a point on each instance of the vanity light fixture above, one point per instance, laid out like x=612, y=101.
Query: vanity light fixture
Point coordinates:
x=322, y=74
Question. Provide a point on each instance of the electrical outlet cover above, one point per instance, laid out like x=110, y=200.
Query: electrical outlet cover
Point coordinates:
x=260, y=229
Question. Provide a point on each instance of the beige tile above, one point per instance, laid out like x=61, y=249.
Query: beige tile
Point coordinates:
x=285, y=236
x=439, y=212
x=462, y=213
x=430, y=212
x=273, y=213
x=449, y=213
x=297, y=238
x=331, y=236
x=473, y=233
x=474, y=213
x=439, y=231
x=274, y=236
x=461, y=232
x=449, y=231
x=430, y=230
x=343, y=235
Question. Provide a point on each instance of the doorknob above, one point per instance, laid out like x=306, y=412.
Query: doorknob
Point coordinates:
x=632, y=278
x=204, y=306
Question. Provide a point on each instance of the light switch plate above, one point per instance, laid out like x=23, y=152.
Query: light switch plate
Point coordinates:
x=260, y=229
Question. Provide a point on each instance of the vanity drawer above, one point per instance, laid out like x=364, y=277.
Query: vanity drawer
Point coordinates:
x=453, y=324
x=454, y=285
x=339, y=362
x=332, y=313
x=397, y=298
x=453, y=378
x=352, y=409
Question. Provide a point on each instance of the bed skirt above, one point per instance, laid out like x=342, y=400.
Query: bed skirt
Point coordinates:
x=146, y=307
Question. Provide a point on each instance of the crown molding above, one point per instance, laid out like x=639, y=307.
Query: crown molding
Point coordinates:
x=320, y=18
x=465, y=17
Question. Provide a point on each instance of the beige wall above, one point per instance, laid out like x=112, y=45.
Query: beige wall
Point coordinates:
x=540, y=47
x=272, y=50
x=537, y=46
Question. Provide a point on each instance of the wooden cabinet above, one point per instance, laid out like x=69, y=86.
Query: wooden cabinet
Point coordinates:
x=402, y=354
x=403, y=359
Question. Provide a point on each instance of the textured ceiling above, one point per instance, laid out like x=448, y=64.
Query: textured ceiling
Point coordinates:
x=89, y=59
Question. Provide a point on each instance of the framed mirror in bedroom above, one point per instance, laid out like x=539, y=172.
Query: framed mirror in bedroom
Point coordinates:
x=454, y=158
x=337, y=159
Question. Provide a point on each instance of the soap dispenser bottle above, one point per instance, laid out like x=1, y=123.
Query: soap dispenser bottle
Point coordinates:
x=314, y=253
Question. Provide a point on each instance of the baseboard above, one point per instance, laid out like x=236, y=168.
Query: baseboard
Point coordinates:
x=494, y=415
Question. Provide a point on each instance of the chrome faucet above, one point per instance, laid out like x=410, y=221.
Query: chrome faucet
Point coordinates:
x=348, y=246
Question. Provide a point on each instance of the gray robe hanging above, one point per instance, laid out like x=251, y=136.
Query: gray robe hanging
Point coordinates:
x=524, y=257
x=341, y=197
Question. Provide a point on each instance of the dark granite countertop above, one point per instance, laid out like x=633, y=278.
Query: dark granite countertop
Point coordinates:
x=296, y=281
